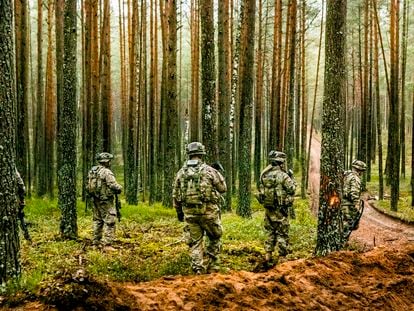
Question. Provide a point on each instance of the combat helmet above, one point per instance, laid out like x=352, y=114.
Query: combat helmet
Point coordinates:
x=277, y=156
x=104, y=157
x=195, y=148
x=359, y=165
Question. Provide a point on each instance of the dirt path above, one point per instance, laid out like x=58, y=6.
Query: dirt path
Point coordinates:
x=375, y=228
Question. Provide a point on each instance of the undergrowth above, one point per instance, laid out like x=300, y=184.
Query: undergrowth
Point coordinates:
x=148, y=244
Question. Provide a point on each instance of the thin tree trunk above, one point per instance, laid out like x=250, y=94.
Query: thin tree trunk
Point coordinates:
x=304, y=101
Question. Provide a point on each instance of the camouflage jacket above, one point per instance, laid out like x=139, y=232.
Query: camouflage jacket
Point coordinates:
x=211, y=185
x=352, y=188
x=276, y=187
x=21, y=189
x=108, y=184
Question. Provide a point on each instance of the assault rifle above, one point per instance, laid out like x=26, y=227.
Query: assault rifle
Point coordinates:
x=118, y=207
x=22, y=220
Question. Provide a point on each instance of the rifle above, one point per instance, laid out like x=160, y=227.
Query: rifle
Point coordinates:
x=23, y=223
x=118, y=207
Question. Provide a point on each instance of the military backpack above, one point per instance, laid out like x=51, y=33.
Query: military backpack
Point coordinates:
x=195, y=187
x=94, y=186
x=273, y=194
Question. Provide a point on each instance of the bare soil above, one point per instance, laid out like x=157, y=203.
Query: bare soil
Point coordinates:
x=380, y=278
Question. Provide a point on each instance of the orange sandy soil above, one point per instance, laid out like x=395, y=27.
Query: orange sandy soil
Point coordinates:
x=381, y=279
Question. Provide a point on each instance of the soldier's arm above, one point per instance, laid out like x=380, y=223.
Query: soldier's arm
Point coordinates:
x=111, y=182
x=289, y=185
x=218, y=181
x=176, y=198
x=355, y=189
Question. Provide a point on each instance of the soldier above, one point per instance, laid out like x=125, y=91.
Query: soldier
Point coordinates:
x=351, y=209
x=196, y=195
x=21, y=192
x=102, y=187
x=276, y=190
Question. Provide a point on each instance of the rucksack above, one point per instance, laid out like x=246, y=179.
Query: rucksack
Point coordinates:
x=195, y=186
x=94, y=185
x=272, y=189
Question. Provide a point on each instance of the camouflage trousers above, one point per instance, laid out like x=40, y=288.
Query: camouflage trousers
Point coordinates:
x=197, y=227
x=104, y=216
x=277, y=233
x=349, y=215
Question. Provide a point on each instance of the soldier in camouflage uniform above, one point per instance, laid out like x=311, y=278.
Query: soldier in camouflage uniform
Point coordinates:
x=102, y=187
x=196, y=195
x=351, y=197
x=276, y=190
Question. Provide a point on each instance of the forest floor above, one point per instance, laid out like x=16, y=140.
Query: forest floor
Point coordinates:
x=379, y=276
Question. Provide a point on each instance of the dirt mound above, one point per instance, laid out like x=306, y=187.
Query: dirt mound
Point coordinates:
x=382, y=279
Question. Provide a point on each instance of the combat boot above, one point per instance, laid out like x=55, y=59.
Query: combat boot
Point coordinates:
x=213, y=265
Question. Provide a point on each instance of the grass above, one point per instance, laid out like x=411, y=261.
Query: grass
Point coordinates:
x=145, y=247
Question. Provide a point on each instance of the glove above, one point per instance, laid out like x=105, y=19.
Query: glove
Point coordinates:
x=180, y=216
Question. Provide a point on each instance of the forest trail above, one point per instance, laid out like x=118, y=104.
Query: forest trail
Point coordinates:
x=375, y=228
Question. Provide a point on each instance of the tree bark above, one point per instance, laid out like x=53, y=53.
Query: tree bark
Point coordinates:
x=9, y=230
x=66, y=169
x=246, y=106
x=332, y=150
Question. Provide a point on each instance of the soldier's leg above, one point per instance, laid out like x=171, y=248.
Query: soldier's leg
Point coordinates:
x=197, y=245
x=97, y=222
x=109, y=220
x=214, y=231
x=283, y=237
x=270, y=241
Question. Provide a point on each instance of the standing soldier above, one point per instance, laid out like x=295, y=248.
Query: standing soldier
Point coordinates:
x=102, y=187
x=196, y=195
x=276, y=190
x=351, y=207
x=21, y=192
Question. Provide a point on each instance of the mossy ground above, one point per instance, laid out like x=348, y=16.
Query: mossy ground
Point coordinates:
x=145, y=246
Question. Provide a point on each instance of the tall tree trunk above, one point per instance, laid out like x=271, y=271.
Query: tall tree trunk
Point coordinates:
x=131, y=190
x=393, y=124
x=50, y=111
x=224, y=95
x=66, y=169
x=208, y=81
x=172, y=146
x=275, y=108
x=403, y=77
x=105, y=78
x=39, y=138
x=22, y=88
x=195, y=72
x=290, y=144
x=304, y=101
x=378, y=111
x=9, y=230
x=332, y=150
x=246, y=106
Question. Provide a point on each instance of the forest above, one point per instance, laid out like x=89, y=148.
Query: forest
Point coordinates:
x=325, y=81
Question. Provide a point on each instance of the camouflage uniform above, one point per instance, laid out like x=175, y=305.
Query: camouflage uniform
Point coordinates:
x=201, y=219
x=351, y=196
x=276, y=181
x=21, y=192
x=104, y=211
